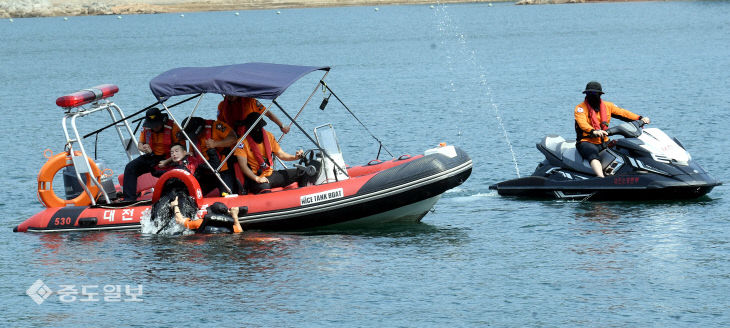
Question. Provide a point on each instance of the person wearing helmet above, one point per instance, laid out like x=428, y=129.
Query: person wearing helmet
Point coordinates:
x=592, y=117
x=154, y=143
x=255, y=158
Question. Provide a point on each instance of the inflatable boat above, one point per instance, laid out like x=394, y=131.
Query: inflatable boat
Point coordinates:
x=329, y=194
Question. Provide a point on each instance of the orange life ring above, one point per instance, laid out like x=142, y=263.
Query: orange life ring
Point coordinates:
x=187, y=178
x=45, y=182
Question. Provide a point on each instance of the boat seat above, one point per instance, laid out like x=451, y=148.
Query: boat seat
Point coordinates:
x=144, y=182
x=565, y=152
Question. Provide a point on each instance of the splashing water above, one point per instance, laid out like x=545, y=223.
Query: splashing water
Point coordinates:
x=449, y=29
x=160, y=220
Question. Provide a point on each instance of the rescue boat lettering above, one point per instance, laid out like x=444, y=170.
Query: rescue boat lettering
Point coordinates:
x=321, y=196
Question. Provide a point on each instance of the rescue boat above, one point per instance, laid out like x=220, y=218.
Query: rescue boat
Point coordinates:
x=328, y=193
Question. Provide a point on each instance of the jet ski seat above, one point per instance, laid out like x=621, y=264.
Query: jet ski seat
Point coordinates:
x=565, y=153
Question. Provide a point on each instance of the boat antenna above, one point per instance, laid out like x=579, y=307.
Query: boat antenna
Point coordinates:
x=324, y=85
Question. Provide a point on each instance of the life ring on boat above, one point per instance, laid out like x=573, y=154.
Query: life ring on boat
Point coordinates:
x=190, y=182
x=49, y=170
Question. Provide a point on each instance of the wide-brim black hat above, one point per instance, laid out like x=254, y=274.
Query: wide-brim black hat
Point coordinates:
x=593, y=86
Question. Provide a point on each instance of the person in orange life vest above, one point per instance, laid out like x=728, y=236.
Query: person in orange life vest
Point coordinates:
x=210, y=137
x=209, y=223
x=591, y=121
x=154, y=143
x=233, y=110
x=255, y=158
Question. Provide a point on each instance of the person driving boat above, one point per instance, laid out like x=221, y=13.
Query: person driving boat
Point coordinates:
x=255, y=158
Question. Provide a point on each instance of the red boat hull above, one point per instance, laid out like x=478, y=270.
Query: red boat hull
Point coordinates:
x=370, y=190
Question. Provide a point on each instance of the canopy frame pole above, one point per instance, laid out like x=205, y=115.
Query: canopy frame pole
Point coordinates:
x=193, y=112
x=245, y=134
x=136, y=113
x=356, y=118
x=197, y=151
x=311, y=139
x=316, y=88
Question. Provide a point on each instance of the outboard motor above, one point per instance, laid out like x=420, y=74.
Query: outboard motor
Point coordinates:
x=71, y=184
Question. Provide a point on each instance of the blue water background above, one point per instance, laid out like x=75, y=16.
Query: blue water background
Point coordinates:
x=472, y=75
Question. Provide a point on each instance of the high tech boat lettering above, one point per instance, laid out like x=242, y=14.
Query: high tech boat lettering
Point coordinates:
x=321, y=196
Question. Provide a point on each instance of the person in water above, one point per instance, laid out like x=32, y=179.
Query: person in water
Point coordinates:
x=255, y=158
x=218, y=219
x=591, y=121
x=154, y=143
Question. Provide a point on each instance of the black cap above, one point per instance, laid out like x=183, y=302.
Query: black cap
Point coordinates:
x=218, y=208
x=593, y=86
x=154, y=118
x=248, y=121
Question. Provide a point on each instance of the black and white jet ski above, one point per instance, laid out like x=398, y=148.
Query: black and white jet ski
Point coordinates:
x=645, y=164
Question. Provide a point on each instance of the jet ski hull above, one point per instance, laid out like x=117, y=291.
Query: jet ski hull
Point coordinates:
x=624, y=187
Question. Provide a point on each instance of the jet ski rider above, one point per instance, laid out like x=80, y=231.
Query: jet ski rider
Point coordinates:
x=591, y=121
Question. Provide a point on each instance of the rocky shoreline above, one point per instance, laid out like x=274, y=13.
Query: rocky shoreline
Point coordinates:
x=47, y=8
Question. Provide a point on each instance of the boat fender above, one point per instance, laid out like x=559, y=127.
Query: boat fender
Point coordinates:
x=49, y=170
x=190, y=182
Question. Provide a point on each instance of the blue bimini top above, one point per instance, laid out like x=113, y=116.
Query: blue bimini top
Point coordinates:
x=253, y=80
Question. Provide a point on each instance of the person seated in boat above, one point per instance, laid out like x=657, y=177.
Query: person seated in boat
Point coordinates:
x=591, y=122
x=154, y=143
x=217, y=218
x=211, y=137
x=255, y=158
x=233, y=110
x=180, y=159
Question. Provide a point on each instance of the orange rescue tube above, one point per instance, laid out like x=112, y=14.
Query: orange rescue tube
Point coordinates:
x=190, y=182
x=45, y=182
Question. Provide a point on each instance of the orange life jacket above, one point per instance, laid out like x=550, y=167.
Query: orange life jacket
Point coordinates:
x=263, y=165
x=166, y=139
x=598, y=123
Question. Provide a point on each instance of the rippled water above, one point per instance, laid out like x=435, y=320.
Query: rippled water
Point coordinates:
x=470, y=75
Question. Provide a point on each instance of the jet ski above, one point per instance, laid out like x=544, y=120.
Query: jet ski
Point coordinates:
x=645, y=164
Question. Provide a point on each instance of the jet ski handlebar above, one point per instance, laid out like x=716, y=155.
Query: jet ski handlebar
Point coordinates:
x=627, y=129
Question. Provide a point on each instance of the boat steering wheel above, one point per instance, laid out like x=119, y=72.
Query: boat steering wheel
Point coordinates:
x=304, y=167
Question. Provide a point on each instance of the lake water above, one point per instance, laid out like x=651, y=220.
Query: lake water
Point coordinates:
x=472, y=75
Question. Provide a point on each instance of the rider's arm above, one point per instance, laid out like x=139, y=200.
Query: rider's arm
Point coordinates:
x=618, y=111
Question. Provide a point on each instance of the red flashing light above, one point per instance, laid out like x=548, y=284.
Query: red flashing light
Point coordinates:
x=86, y=96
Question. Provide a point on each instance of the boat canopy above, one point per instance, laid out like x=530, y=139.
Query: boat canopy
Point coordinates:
x=253, y=80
